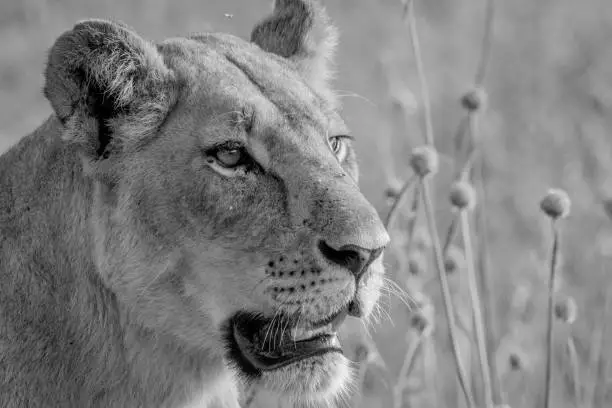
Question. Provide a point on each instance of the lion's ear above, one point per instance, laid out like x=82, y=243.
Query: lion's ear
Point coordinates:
x=108, y=86
x=301, y=31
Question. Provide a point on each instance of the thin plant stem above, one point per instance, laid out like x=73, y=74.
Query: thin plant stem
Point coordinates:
x=551, y=315
x=466, y=170
x=605, y=375
x=595, y=355
x=476, y=309
x=487, y=40
x=405, y=370
x=399, y=201
x=429, y=359
x=415, y=213
x=488, y=303
x=474, y=166
x=573, y=355
x=596, y=351
x=459, y=137
x=409, y=17
x=446, y=295
x=451, y=233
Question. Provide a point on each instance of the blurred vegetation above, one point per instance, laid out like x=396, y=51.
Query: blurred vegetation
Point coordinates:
x=547, y=124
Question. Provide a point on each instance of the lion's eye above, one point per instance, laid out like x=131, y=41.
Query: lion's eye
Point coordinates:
x=338, y=146
x=230, y=157
x=335, y=144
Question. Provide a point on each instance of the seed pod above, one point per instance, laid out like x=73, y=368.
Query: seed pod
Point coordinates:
x=421, y=323
x=424, y=160
x=417, y=263
x=566, y=310
x=515, y=362
x=421, y=240
x=393, y=189
x=556, y=204
x=462, y=195
x=362, y=352
x=454, y=260
x=422, y=317
x=474, y=99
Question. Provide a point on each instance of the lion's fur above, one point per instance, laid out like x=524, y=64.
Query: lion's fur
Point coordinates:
x=123, y=252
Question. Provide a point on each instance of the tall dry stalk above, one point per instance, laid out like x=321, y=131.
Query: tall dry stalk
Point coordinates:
x=596, y=351
x=461, y=195
x=574, y=362
x=550, y=327
x=473, y=103
x=556, y=205
x=480, y=218
x=479, y=328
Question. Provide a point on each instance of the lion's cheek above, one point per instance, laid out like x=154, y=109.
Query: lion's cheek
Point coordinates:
x=219, y=293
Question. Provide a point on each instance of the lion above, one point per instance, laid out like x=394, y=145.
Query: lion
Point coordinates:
x=187, y=221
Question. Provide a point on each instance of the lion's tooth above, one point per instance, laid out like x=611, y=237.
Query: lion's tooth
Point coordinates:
x=300, y=333
x=335, y=342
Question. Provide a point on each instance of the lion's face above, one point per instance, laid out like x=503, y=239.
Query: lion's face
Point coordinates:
x=237, y=225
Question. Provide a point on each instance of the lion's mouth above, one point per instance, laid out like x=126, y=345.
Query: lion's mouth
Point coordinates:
x=262, y=344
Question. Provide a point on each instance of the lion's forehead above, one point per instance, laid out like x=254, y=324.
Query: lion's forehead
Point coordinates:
x=224, y=65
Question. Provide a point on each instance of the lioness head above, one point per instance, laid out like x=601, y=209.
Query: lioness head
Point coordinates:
x=226, y=211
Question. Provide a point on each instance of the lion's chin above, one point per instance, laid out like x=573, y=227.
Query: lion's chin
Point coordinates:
x=311, y=381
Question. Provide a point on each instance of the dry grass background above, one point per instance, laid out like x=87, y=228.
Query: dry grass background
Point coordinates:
x=547, y=124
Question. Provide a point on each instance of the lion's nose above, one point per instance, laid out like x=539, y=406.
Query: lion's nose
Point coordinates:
x=352, y=257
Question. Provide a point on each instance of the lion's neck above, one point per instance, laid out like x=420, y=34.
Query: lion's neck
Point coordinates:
x=45, y=202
